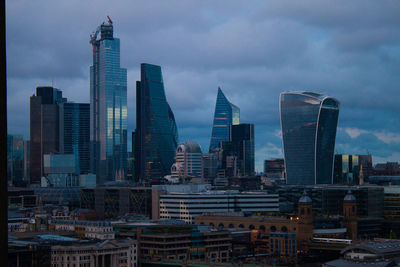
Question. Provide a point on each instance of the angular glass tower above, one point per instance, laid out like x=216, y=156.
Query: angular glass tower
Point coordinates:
x=108, y=107
x=309, y=122
x=225, y=115
x=156, y=136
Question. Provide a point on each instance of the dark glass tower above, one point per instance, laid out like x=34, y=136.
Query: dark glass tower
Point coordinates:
x=44, y=128
x=108, y=107
x=225, y=115
x=75, y=133
x=156, y=135
x=309, y=123
x=15, y=159
x=240, y=146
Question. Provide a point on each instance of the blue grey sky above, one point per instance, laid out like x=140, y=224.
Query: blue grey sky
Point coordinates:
x=253, y=50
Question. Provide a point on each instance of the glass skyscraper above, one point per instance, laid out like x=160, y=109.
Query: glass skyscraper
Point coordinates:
x=156, y=135
x=225, y=115
x=108, y=107
x=75, y=133
x=309, y=121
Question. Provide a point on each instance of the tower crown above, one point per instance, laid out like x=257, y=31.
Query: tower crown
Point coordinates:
x=305, y=198
x=349, y=196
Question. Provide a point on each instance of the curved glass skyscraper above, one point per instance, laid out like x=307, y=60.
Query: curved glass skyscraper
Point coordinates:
x=156, y=135
x=309, y=122
x=108, y=107
x=225, y=114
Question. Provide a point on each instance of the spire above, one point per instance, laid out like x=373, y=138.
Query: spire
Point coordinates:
x=305, y=198
x=349, y=196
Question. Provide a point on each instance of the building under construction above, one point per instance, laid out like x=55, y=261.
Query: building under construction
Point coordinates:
x=113, y=201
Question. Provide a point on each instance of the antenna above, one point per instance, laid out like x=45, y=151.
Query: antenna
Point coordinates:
x=109, y=20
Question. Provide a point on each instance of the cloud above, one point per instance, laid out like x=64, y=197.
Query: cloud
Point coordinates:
x=354, y=132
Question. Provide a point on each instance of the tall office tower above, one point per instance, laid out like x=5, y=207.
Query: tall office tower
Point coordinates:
x=188, y=161
x=15, y=159
x=75, y=133
x=27, y=153
x=44, y=128
x=210, y=167
x=309, y=122
x=156, y=135
x=108, y=107
x=238, y=152
x=225, y=115
x=346, y=169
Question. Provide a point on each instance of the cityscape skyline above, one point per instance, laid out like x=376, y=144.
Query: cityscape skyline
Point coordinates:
x=191, y=88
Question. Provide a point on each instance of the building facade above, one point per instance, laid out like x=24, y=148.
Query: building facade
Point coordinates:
x=156, y=135
x=186, y=206
x=238, y=152
x=108, y=107
x=44, y=128
x=15, y=159
x=75, y=133
x=225, y=115
x=188, y=161
x=346, y=169
x=309, y=122
x=274, y=168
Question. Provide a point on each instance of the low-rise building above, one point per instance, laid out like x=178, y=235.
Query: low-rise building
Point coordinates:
x=101, y=230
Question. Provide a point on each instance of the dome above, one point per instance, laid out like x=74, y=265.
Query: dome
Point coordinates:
x=349, y=196
x=189, y=147
x=305, y=198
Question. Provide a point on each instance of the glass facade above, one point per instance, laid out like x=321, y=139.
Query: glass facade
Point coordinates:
x=108, y=107
x=225, y=115
x=44, y=128
x=15, y=159
x=74, y=133
x=309, y=123
x=346, y=169
x=156, y=135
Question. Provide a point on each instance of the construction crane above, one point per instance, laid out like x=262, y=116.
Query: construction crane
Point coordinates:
x=109, y=20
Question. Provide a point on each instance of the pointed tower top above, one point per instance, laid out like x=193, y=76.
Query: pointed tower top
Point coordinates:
x=305, y=198
x=349, y=196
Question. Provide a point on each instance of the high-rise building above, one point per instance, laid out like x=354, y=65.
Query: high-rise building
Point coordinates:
x=309, y=122
x=188, y=161
x=346, y=169
x=225, y=115
x=44, y=128
x=156, y=135
x=75, y=133
x=15, y=159
x=108, y=107
x=274, y=168
x=27, y=152
x=238, y=152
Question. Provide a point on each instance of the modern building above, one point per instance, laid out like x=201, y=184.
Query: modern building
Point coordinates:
x=156, y=135
x=238, y=152
x=186, y=206
x=101, y=230
x=15, y=160
x=309, y=121
x=75, y=133
x=108, y=107
x=60, y=170
x=346, y=169
x=274, y=168
x=188, y=162
x=180, y=244
x=225, y=115
x=27, y=153
x=112, y=201
x=210, y=164
x=44, y=128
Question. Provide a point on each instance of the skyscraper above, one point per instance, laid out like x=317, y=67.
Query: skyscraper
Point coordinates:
x=239, y=150
x=15, y=159
x=309, y=122
x=44, y=128
x=74, y=133
x=225, y=114
x=108, y=106
x=156, y=135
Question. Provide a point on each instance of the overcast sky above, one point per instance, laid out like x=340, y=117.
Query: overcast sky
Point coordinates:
x=253, y=50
